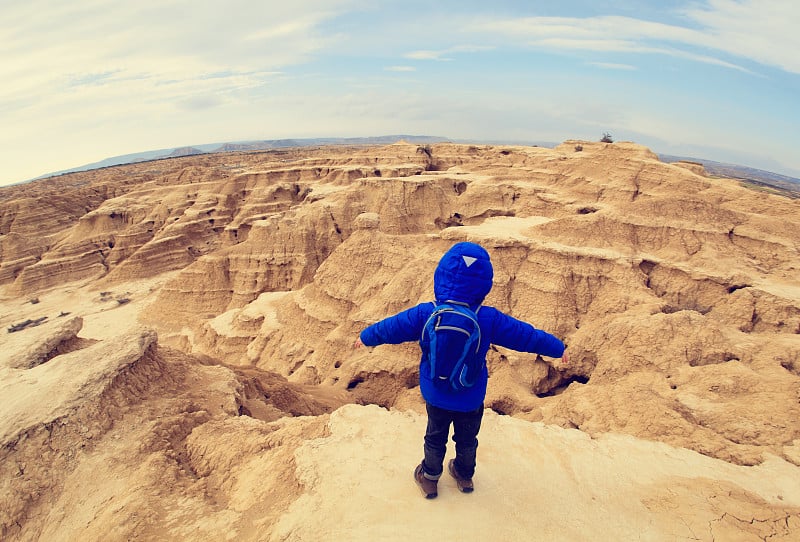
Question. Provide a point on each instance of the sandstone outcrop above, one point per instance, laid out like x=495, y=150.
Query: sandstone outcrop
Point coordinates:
x=252, y=274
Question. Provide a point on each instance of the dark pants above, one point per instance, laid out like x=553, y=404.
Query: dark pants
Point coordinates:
x=465, y=432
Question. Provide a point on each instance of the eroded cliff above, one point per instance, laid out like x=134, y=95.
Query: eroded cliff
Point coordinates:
x=678, y=295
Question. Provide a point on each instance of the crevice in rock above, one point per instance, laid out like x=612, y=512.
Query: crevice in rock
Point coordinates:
x=381, y=388
x=670, y=309
x=562, y=385
x=790, y=366
x=733, y=287
x=646, y=267
x=64, y=347
x=713, y=358
x=354, y=382
x=636, y=186
x=504, y=407
x=266, y=396
x=453, y=220
x=13, y=328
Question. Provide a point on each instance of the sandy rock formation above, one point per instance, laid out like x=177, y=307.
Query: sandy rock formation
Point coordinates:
x=677, y=294
x=124, y=411
x=148, y=443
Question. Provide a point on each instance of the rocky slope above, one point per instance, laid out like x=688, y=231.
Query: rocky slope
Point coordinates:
x=189, y=378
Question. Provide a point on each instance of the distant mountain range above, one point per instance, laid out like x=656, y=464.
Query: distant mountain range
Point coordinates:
x=786, y=184
x=742, y=173
x=240, y=146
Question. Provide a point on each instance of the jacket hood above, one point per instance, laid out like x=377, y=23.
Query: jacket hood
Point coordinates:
x=464, y=274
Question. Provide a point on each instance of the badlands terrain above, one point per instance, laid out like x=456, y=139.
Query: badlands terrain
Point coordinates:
x=177, y=361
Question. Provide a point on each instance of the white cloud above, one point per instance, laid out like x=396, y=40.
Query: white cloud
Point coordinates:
x=427, y=55
x=613, y=66
x=48, y=47
x=444, y=54
x=87, y=75
x=764, y=32
x=400, y=68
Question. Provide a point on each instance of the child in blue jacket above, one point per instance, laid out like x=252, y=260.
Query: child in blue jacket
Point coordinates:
x=464, y=275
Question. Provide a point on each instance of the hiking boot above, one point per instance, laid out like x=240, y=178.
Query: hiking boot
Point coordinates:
x=464, y=484
x=428, y=486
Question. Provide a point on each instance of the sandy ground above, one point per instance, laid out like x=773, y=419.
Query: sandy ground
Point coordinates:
x=104, y=317
x=533, y=482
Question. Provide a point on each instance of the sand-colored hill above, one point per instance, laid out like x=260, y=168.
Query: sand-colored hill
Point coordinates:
x=187, y=370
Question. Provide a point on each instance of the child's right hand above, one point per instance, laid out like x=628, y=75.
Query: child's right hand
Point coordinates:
x=565, y=359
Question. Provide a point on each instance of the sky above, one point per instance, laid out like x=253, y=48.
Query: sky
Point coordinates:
x=86, y=80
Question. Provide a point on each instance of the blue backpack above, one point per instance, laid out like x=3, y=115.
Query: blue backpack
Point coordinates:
x=450, y=341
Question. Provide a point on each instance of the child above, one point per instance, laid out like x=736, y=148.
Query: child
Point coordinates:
x=464, y=275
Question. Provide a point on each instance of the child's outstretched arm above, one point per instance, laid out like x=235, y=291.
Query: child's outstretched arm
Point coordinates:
x=509, y=332
x=402, y=327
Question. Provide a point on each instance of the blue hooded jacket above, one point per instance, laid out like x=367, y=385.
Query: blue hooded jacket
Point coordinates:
x=464, y=274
